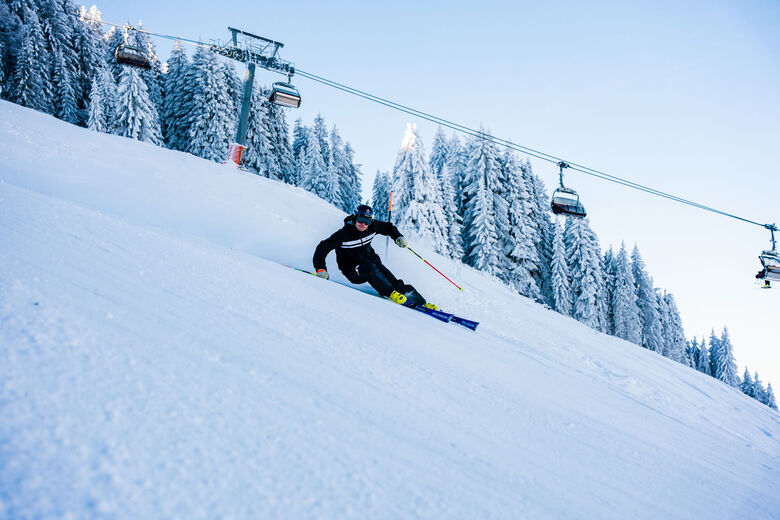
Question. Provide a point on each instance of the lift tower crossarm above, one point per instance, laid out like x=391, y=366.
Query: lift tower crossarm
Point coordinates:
x=277, y=45
x=249, y=48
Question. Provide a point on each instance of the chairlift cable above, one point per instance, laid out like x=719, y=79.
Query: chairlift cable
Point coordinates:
x=158, y=35
x=520, y=148
x=476, y=133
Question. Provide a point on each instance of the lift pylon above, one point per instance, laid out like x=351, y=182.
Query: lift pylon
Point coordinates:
x=256, y=51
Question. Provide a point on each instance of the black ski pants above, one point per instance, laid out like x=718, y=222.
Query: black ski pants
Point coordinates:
x=377, y=275
x=382, y=280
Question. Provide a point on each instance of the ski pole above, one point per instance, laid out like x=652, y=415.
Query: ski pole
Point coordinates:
x=431, y=266
x=299, y=269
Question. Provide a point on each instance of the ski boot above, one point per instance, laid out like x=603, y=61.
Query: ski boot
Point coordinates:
x=397, y=297
x=413, y=298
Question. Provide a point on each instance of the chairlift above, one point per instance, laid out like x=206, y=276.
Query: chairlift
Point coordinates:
x=285, y=94
x=770, y=261
x=126, y=54
x=133, y=56
x=566, y=201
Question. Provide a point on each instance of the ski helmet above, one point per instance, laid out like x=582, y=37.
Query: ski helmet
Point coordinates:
x=365, y=211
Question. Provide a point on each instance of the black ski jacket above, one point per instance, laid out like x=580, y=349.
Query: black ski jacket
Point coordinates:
x=353, y=247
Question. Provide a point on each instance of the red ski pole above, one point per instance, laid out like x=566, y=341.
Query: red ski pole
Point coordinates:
x=431, y=266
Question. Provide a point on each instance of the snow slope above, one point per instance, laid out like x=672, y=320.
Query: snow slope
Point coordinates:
x=158, y=361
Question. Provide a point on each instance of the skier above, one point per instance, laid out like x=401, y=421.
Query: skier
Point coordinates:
x=358, y=260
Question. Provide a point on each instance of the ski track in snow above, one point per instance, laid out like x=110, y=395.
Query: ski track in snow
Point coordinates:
x=157, y=361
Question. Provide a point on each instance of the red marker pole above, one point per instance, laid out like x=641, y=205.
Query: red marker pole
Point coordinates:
x=390, y=209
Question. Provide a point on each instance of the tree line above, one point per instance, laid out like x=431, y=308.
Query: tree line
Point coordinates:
x=486, y=207
x=469, y=200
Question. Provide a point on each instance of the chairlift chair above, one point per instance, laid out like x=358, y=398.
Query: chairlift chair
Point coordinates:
x=771, y=262
x=126, y=54
x=284, y=94
x=566, y=201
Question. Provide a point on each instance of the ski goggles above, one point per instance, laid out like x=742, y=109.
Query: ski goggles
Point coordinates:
x=364, y=220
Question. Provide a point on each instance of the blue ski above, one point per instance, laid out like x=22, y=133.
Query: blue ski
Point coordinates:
x=439, y=315
x=470, y=324
x=446, y=316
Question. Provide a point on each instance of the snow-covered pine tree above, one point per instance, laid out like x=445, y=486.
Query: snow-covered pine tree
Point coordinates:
x=97, y=119
x=665, y=323
x=380, y=195
x=482, y=248
x=102, y=106
x=726, y=366
x=177, y=104
x=704, y=365
x=501, y=197
x=279, y=138
x=457, y=160
x=715, y=353
x=259, y=155
x=213, y=117
x=315, y=175
x=692, y=353
x=624, y=308
x=746, y=385
x=89, y=40
x=320, y=131
x=442, y=169
x=64, y=90
x=59, y=19
x=587, y=278
x=18, y=7
x=115, y=38
x=480, y=237
x=354, y=176
x=543, y=234
x=3, y=46
x=417, y=208
x=338, y=164
x=153, y=77
x=676, y=337
x=235, y=85
x=647, y=303
x=332, y=167
x=299, y=140
x=31, y=79
x=759, y=392
x=610, y=270
x=439, y=153
x=10, y=29
x=135, y=115
x=560, y=274
x=770, y=397
x=521, y=269
x=450, y=206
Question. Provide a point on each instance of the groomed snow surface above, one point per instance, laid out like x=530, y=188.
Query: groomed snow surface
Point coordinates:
x=157, y=360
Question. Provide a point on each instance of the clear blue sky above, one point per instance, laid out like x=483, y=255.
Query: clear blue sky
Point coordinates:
x=680, y=96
